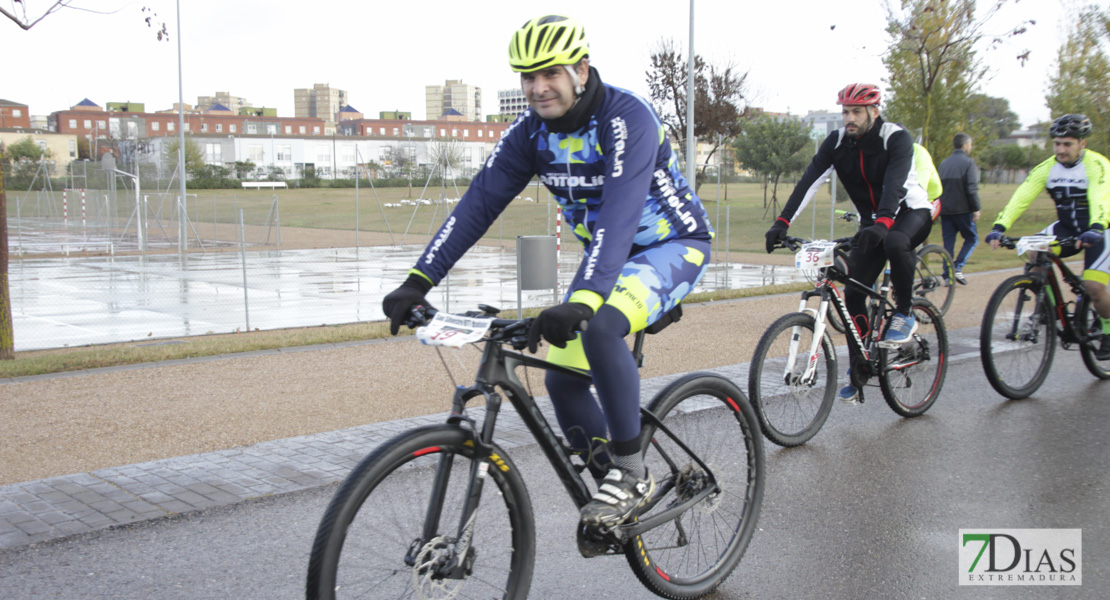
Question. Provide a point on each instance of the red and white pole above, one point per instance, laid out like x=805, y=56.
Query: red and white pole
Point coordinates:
x=558, y=236
x=65, y=209
x=82, y=207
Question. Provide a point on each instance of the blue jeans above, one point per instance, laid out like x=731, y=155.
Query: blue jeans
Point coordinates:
x=962, y=224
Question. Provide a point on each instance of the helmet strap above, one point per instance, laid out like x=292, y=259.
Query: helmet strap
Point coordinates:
x=579, y=89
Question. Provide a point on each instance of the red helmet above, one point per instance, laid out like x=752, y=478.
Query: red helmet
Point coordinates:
x=859, y=94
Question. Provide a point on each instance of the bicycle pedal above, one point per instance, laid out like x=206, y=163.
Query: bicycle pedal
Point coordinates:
x=592, y=543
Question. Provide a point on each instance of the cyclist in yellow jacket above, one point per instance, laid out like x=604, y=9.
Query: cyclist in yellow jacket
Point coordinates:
x=1078, y=180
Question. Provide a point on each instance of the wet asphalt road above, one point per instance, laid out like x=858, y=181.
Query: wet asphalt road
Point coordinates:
x=870, y=508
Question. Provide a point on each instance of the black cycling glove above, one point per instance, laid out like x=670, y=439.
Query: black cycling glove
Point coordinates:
x=558, y=324
x=398, y=304
x=873, y=236
x=776, y=234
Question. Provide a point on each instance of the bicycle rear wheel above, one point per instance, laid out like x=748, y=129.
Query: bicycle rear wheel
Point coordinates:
x=1089, y=325
x=934, y=276
x=912, y=374
x=1017, y=339
x=690, y=555
x=384, y=535
x=791, y=407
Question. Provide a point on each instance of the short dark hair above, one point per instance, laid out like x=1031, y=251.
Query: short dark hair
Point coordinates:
x=960, y=140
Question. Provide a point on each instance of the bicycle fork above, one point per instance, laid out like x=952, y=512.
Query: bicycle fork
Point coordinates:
x=436, y=556
x=808, y=376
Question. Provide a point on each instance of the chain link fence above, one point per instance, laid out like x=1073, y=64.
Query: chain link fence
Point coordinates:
x=94, y=266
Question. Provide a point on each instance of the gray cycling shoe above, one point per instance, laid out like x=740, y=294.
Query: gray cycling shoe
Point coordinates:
x=618, y=497
x=1104, y=348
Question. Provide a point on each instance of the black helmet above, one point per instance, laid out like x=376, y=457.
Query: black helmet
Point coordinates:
x=1075, y=126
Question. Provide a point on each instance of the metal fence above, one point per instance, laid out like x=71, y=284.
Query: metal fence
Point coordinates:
x=97, y=266
x=122, y=222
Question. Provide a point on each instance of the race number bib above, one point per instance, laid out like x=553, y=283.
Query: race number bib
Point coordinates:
x=815, y=255
x=1034, y=243
x=452, y=331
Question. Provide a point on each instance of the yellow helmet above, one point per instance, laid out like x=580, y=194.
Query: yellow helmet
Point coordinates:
x=546, y=41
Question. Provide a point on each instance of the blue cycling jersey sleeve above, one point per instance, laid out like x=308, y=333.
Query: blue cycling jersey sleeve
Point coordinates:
x=615, y=179
x=505, y=174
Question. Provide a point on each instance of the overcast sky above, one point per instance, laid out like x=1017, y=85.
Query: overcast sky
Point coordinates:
x=798, y=53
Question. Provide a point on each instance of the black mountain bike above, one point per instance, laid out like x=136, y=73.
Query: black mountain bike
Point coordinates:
x=441, y=511
x=1028, y=312
x=934, y=274
x=793, y=376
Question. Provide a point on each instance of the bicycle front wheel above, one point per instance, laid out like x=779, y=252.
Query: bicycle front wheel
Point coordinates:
x=691, y=554
x=1017, y=339
x=395, y=530
x=911, y=374
x=934, y=277
x=791, y=405
x=1089, y=325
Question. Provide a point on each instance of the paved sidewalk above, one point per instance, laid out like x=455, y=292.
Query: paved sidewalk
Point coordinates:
x=57, y=507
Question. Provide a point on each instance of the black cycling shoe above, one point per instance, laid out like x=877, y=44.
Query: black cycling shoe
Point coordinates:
x=1104, y=348
x=618, y=497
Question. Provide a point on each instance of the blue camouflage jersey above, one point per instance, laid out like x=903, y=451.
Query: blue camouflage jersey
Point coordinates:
x=616, y=180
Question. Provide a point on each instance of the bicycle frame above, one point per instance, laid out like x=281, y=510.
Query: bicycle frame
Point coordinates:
x=1045, y=261
x=829, y=293
x=497, y=370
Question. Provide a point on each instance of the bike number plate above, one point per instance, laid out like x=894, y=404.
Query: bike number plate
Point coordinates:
x=815, y=255
x=1034, y=243
x=452, y=331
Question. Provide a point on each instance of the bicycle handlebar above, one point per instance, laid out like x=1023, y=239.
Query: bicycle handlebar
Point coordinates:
x=796, y=243
x=511, y=331
x=1011, y=243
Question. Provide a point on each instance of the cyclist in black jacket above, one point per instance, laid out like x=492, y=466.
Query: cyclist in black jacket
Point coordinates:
x=874, y=161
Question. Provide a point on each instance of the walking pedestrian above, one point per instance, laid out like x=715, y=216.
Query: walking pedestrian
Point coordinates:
x=959, y=203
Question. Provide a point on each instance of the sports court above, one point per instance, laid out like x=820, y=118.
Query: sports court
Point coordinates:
x=77, y=301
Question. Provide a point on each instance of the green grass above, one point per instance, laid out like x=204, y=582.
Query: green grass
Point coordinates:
x=742, y=203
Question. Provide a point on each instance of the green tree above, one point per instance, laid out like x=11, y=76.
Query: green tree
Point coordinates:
x=1081, y=83
x=244, y=169
x=995, y=113
x=934, y=69
x=718, y=98
x=194, y=156
x=23, y=161
x=772, y=148
x=27, y=150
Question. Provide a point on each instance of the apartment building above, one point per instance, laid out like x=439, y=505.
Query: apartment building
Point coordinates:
x=467, y=131
x=453, y=95
x=511, y=102
x=225, y=99
x=321, y=101
x=88, y=120
x=14, y=115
